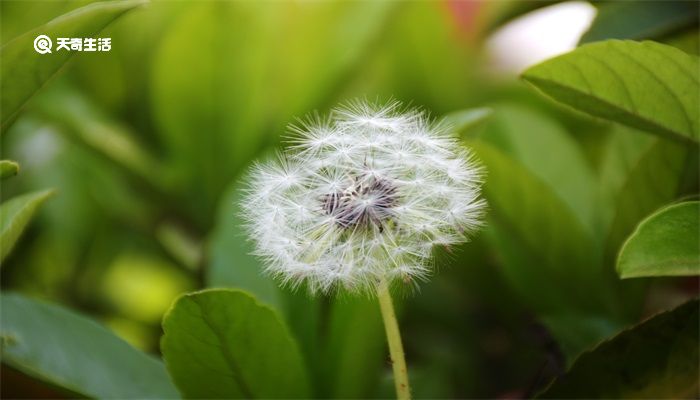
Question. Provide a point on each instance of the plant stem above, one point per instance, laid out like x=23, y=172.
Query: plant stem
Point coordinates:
x=393, y=336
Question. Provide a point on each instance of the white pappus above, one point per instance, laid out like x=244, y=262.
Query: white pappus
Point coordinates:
x=360, y=197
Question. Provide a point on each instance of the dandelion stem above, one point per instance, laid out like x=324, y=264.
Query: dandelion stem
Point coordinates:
x=393, y=336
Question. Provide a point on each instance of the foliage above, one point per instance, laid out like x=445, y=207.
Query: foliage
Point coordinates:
x=222, y=344
x=658, y=358
x=15, y=214
x=25, y=71
x=666, y=243
x=78, y=354
x=644, y=85
x=146, y=147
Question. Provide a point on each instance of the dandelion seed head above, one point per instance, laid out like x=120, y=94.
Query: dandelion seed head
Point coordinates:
x=362, y=196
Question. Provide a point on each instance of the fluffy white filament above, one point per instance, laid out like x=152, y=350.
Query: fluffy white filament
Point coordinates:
x=362, y=196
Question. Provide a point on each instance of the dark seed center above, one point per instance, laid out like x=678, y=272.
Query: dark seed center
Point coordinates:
x=367, y=201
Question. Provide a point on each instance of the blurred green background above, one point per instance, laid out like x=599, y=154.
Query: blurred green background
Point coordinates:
x=145, y=144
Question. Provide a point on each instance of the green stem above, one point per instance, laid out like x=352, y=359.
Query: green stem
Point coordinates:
x=393, y=336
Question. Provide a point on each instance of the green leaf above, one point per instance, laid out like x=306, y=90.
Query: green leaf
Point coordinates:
x=61, y=347
x=645, y=85
x=232, y=265
x=639, y=20
x=576, y=332
x=546, y=224
x=655, y=359
x=533, y=199
x=15, y=215
x=464, y=121
x=353, y=355
x=25, y=72
x=224, y=344
x=543, y=277
x=8, y=169
x=640, y=173
x=233, y=78
x=666, y=243
x=16, y=19
x=545, y=253
x=522, y=133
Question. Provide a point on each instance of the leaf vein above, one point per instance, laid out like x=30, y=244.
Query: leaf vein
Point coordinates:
x=663, y=84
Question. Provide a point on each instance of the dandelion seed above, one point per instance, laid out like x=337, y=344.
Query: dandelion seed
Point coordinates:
x=362, y=197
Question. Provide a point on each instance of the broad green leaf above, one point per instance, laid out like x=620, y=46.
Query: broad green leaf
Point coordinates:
x=353, y=355
x=231, y=265
x=640, y=20
x=15, y=215
x=224, y=344
x=667, y=243
x=522, y=134
x=645, y=85
x=546, y=223
x=546, y=254
x=16, y=19
x=248, y=87
x=576, y=332
x=640, y=173
x=655, y=359
x=8, y=169
x=624, y=154
x=25, y=71
x=63, y=348
x=464, y=121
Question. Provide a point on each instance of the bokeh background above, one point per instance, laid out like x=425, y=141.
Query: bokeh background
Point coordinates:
x=145, y=145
